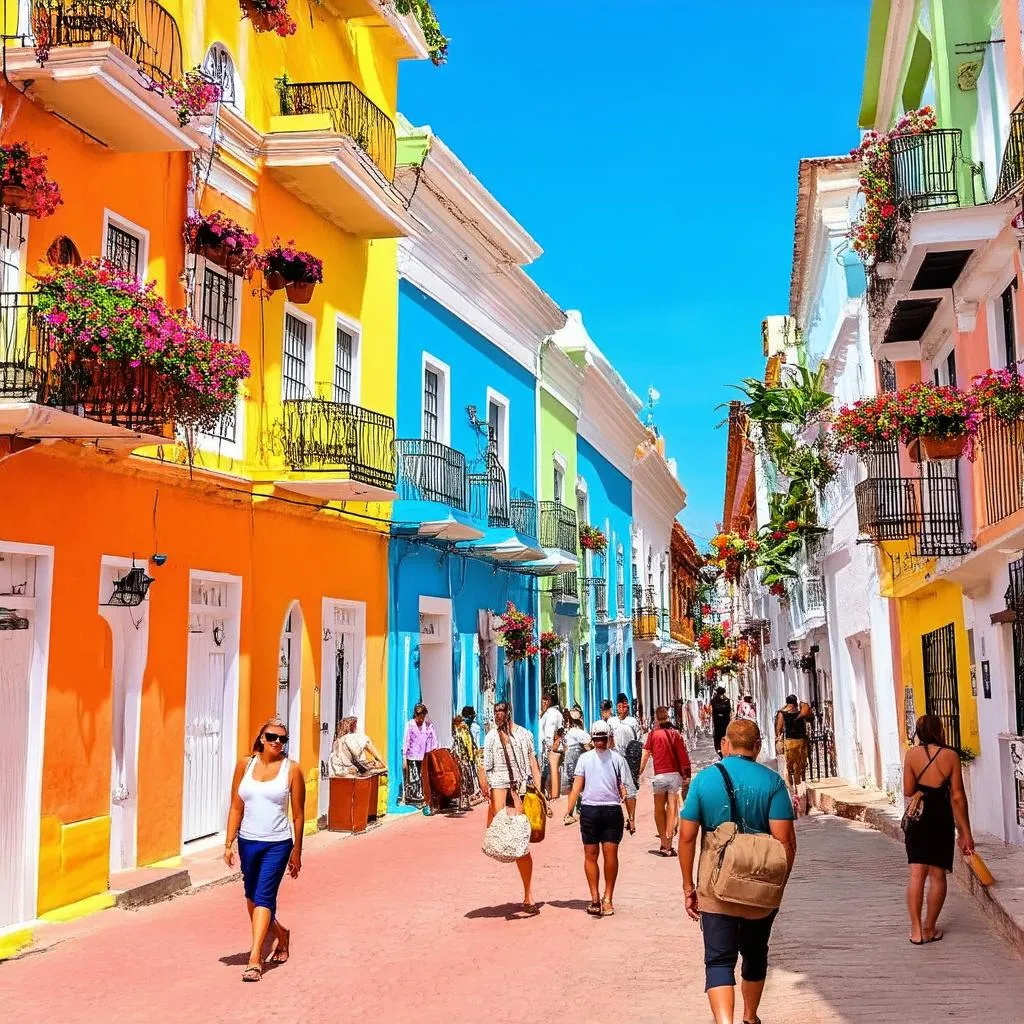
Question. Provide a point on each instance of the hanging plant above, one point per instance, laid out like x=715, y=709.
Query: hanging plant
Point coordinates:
x=593, y=539
x=516, y=630
x=219, y=239
x=732, y=553
x=1000, y=394
x=192, y=95
x=269, y=16
x=437, y=42
x=298, y=271
x=945, y=419
x=97, y=314
x=550, y=643
x=24, y=186
x=867, y=424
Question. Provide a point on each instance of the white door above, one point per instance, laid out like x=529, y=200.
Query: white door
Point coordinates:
x=205, y=785
x=15, y=664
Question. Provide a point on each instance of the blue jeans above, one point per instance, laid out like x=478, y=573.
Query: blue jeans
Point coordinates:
x=726, y=938
x=263, y=867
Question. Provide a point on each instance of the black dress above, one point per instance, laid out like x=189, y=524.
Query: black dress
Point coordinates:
x=931, y=839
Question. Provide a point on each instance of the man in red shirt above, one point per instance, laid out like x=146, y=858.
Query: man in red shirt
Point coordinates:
x=671, y=776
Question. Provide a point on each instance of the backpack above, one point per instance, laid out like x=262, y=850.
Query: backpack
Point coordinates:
x=745, y=868
x=444, y=774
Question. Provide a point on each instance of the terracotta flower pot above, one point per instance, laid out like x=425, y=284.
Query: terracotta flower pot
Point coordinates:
x=216, y=254
x=300, y=292
x=275, y=280
x=260, y=19
x=17, y=199
x=944, y=447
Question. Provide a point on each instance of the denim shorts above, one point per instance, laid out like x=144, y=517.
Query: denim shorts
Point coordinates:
x=263, y=866
x=668, y=782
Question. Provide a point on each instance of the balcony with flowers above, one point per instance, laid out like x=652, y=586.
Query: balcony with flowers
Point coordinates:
x=335, y=149
x=924, y=216
x=114, y=69
x=92, y=354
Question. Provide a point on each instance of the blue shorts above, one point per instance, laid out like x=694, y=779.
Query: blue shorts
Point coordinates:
x=726, y=938
x=263, y=867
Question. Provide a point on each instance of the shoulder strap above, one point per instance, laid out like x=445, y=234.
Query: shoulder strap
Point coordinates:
x=733, y=813
x=930, y=759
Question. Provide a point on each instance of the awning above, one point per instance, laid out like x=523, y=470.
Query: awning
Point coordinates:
x=554, y=563
x=505, y=546
x=436, y=521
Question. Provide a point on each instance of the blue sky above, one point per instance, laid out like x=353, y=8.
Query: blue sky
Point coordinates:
x=651, y=148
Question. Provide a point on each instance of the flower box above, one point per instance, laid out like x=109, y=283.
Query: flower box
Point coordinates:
x=298, y=271
x=221, y=241
x=24, y=187
x=300, y=292
x=944, y=447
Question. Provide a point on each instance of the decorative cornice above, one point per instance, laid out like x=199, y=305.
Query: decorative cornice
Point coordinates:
x=561, y=377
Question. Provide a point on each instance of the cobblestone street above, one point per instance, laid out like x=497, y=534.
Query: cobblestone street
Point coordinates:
x=412, y=923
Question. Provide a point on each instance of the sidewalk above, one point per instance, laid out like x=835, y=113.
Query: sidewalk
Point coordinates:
x=1003, y=902
x=412, y=923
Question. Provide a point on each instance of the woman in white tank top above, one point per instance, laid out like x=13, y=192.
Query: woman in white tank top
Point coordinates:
x=268, y=800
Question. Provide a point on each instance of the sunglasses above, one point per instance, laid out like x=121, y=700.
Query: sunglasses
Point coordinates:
x=274, y=737
x=600, y=738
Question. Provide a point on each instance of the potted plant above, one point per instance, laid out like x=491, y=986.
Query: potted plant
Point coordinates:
x=516, y=629
x=220, y=240
x=593, y=539
x=295, y=270
x=192, y=95
x=1000, y=394
x=944, y=419
x=24, y=187
x=550, y=643
x=864, y=426
x=269, y=16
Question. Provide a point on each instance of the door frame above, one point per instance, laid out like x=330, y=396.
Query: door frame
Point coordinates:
x=294, y=717
x=37, y=679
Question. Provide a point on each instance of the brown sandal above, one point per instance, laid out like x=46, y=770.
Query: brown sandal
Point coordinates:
x=607, y=910
x=252, y=973
x=594, y=910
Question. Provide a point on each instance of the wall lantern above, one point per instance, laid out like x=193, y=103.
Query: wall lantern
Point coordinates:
x=131, y=589
x=10, y=619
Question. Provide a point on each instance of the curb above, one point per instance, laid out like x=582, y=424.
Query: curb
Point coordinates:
x=995, y=902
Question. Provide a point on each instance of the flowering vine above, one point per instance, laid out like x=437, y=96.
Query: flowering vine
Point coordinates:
x=437, y=41
x=192, y=95
x=24, y=185
x=593, y=539
x=516, y=629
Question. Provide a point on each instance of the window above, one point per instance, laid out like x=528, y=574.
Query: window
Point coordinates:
x=559, y=481
x=1009, y=327
x=217, y=319
x=12, y=240
x=123, y=249
x=218, y=67
x=295, y=358
x=951, y=369
x=63, y=253
x=343, y=367
x=497, y=424
x=431, y=404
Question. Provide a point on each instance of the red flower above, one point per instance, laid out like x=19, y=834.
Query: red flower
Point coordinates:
x=792, y=525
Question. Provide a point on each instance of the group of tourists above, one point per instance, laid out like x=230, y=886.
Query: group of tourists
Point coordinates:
x=733, y=881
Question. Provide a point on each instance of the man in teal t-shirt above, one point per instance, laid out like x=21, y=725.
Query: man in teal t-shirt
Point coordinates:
x=764, y=805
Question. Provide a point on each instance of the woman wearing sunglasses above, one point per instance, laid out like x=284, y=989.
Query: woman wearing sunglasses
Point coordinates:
x=266, y=787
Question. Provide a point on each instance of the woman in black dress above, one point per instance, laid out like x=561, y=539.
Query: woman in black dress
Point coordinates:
x=933, y=770
x=721, y=716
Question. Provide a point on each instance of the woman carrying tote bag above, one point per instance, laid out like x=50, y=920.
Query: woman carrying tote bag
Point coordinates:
x=509, y=760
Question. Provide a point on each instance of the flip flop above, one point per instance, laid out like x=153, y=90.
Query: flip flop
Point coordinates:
x=278, y=955
x=607, y=910
x=252, y=973
x=937, y=937
x=594, y=910
x=916, y=942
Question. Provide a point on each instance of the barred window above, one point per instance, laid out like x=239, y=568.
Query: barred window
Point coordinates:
x=122, y=250
x=430, y=411
x=12, y=237
x=217, y=319
x=343, y=367
x=293, y=364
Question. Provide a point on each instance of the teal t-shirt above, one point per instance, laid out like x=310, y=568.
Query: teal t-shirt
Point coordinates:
x=761, y=795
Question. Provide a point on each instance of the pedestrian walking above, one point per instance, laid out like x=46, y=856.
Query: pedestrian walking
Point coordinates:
x=464, y=752
x=721, y=715
x=420, y=739
x=933, y=783
x=266, y=816
x=736, y=789
x=577, y=740
x=469, y=717
x=665, y=747
x=626, y=734
x=791, y=734
x=503, y=773
x=603, y=783
x=551, y=720
x=746, y=709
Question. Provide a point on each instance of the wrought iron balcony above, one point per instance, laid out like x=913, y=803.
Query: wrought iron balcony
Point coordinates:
x=600, y=588
x=335, y=437
x=107, y=391
x=1002, y=469
x=813, y=596
x=645, y=614
x=558, y=527
x=565, y=586
x=431, y=471
x=523, y=515
x=929, y=171
x=141, y=29
x=1011, y=172
x=489, y=492
x=924, y=509
x=352, y=114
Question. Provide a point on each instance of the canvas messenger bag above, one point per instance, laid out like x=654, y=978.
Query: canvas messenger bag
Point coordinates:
x=746, y=869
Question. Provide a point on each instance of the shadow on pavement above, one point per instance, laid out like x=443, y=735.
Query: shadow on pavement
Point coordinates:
x=509, y=911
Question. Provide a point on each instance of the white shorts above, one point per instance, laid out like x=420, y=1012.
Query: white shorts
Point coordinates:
x=669, y=782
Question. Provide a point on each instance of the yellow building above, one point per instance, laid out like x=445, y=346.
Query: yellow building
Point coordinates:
x=268, y=554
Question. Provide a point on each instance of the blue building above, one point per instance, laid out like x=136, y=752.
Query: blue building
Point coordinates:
x=466, y=536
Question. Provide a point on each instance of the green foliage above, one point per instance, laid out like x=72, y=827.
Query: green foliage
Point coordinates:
x=437, y=41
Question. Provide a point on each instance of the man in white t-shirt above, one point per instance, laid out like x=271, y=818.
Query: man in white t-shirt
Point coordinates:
x=551, y=720
x=626, y=730
x=603, y=782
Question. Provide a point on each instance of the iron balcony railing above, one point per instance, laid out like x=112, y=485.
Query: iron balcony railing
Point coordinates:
x=924, y=509
x=814, y=596
x=1002, y=468
x=565, y=585
x=1011, y=171
x=558, y=527
x=106, y=390
x=352, y=113
x=141, y=29
x=431, y=471
x=600, y=589
x=489, y=492
x=645, y=614
x=929, y=171
x=335, y=437
x=523, y=515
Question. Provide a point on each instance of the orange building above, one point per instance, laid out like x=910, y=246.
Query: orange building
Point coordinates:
x=265, y=536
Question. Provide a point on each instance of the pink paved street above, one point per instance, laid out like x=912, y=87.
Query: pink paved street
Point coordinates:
x=411, y=923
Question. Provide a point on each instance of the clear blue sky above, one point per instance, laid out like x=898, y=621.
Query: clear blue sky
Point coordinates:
x=651, y=148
